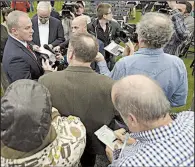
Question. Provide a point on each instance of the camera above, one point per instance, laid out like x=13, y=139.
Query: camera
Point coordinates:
x=128, y=32
x=165, y=10
x=68, y=8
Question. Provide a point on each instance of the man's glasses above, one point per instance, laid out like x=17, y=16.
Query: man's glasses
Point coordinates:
x=43, y=17
x=108, y=13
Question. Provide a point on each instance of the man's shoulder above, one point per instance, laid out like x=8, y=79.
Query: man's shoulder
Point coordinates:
x=54, y=20
x=175, y=60
x=104, y=79
x=34, y=18
x=51, y=76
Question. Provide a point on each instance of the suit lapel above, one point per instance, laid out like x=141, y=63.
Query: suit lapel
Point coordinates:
x=25, y=50
x=32, y=56
x=36, y=28
x=50, y=30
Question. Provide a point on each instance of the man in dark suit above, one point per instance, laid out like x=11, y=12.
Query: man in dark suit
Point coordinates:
x=47, y=30
x=19, y=61
x=80, y=91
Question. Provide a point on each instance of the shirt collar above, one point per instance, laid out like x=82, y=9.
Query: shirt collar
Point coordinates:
x=161, y=133
x=79, y=69
x=22, y=42
x=149, y=51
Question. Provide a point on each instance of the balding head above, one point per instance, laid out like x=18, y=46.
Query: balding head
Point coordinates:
x=140, y=96
x=79, y=25
x=83, y=47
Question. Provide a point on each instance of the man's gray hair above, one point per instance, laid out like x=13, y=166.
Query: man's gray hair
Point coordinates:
x=44, y=5
x=85, y=46
x=140, y=96
x=155, y=29
x=13, y=19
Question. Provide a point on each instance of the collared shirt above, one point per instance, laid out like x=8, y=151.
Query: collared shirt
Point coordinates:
x=168, y=70
x=43, y=32
x=104, y=36
x=179, y=36
x=22, y=42
x=171, y=145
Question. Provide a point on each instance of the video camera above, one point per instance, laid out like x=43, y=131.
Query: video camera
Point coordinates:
x=128, y=32
x=68, y=8
x=164, y=9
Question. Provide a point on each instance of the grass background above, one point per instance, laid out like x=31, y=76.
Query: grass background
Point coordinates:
x=187, y=61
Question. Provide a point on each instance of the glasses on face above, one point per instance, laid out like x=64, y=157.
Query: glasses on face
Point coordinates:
x=44, y=17
x=108, y=13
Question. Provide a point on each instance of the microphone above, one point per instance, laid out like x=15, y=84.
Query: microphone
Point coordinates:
x=48, y=48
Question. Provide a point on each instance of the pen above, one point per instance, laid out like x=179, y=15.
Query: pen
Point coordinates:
x=114, y=140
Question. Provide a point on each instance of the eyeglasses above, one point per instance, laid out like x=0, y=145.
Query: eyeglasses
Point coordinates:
x=108, y=13
x=44, y=17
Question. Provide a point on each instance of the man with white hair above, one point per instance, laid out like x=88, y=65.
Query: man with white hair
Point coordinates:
x=154, y=31
x=47, y=30
x=19, y=61
x=157, y=138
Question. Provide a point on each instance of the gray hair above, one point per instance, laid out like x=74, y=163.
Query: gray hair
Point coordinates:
x=13, y=19
x=155, y=29
x=44, y=5
x=140, y=96
x=85, y=46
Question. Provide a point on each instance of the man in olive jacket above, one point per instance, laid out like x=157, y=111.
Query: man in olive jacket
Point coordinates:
x=81, y=92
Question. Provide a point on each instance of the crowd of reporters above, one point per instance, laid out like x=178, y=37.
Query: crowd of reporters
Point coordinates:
x=150, y=80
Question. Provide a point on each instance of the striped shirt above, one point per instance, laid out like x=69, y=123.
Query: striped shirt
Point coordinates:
x=179, y=36
x=167, y=146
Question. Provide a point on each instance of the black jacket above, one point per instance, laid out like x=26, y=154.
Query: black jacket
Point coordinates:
x=56, y=32
x=113, y=31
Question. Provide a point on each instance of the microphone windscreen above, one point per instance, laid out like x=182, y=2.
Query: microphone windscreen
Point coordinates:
x=48, y=48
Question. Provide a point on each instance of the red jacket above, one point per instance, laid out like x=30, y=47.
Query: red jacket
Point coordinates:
x=20, y=5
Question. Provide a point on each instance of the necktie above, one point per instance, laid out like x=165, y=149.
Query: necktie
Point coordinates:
x=28, y=47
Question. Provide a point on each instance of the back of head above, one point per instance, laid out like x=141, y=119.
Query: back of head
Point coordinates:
x=44, y=6
x=13, y=19
x=85, y=47
x=25, y=115
x=155, y=29
x=140, y=96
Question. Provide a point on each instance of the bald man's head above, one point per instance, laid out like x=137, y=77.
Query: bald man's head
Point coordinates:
x=140, y=96
x=79, y=25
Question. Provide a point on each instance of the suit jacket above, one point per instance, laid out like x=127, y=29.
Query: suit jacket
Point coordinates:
x=81, y=92
x=19, y=62
x=56, y=32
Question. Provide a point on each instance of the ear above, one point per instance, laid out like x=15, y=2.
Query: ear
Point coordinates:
x=14, y=31
x=71, y=55
x=104, y=16
x=132, y=121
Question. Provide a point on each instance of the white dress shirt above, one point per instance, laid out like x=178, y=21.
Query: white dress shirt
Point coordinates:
x=43, y=32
